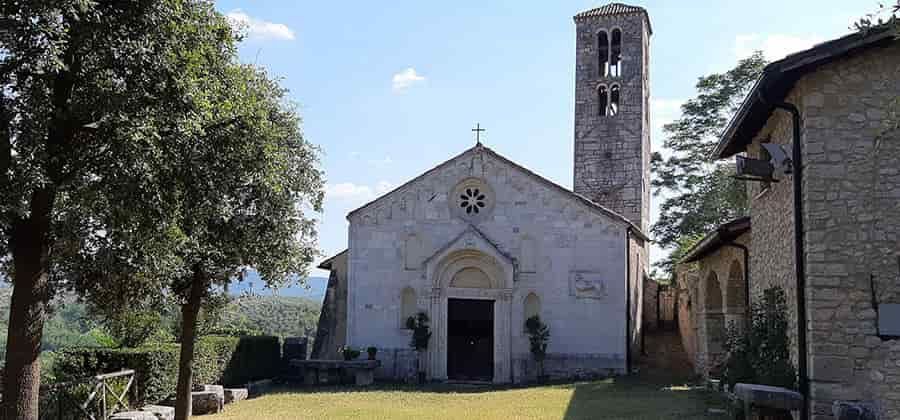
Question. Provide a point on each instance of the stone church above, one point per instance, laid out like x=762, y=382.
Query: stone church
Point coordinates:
x=480, y=243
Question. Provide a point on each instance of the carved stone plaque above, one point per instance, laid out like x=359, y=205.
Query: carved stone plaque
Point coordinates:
x=587, y=285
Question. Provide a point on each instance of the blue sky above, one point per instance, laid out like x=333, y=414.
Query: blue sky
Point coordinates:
x=390, y=89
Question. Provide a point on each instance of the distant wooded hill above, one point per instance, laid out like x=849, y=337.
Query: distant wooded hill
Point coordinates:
x=70, y=325
x=312, y=287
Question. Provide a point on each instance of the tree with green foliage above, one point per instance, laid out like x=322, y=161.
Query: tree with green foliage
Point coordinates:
x=240, y=191
x=701, y=194
x=885, y=15
x=88, y=92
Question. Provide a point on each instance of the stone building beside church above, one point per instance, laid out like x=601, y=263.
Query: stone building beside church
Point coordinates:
x=480, y=243
x=844, y=299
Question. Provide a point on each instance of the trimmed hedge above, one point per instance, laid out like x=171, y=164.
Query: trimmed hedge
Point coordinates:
x=229, y=361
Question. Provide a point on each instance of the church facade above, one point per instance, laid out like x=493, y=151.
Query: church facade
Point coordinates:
x=480, y=243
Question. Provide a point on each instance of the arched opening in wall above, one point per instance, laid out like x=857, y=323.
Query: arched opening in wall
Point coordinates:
x=736, y=295
x=532, y=306
x=602, y=100
x=408, y=305
x=615, y=55
x=715, y=324
x=614, y=100
x=603, y=54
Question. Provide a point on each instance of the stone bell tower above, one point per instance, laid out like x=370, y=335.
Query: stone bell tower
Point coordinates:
x=612, y=120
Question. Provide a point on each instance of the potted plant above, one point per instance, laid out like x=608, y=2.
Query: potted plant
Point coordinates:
x=372, y=351
x=538, y=337
x=348, y=352
x=419, y=341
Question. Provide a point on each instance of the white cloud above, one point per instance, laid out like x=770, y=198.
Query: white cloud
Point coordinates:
x=406, y=78
x=773, y=46
x=348, y=191
x=259, y=29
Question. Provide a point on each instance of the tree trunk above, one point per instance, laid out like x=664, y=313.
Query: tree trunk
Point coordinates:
x=30, y=246
x=189, y=312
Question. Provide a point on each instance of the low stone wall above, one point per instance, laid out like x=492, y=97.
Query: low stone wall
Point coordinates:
x=396, y=364
x=562, y=366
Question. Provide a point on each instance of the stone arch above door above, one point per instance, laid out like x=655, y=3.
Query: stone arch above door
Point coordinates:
x=470, y=249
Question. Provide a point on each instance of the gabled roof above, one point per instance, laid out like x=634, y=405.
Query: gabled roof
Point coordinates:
x=778, y=79
x=714, y=240
x=326, y=265
x=614, y=9
x=480, y=148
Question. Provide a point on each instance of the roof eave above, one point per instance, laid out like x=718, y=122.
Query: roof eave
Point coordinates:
x=722, y=235
x=777, y=80
x=327, y=264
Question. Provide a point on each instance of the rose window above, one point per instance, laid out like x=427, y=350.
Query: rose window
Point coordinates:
x=473, y=200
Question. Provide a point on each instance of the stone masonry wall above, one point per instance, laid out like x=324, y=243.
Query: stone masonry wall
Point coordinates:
x=612, y=153
x=686, y=283
x=851, y=192
x=651, y=305
x=772, y=218
x=331, y=332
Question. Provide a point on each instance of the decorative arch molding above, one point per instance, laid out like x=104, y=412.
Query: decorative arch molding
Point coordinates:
x=471, y=248
x=470, y=267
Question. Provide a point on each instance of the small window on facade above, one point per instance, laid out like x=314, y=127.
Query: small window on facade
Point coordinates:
x=407, y=305
x=615, y=55
x=603, y=54
x=613, y=100
x=602, y=100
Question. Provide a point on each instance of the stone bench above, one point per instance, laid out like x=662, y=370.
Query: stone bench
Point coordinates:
x=235, y=395
x=767, y=399
x=363, y=371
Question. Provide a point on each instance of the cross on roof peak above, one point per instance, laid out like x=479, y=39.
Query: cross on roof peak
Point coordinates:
x=478, y=130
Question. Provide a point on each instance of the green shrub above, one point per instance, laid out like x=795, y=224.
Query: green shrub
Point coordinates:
x=217, y=360
x=761, y=353
x=156, y=368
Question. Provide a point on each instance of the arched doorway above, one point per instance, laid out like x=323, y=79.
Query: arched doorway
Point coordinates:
x=715, y=323
x=736, y=296
x=470, y=308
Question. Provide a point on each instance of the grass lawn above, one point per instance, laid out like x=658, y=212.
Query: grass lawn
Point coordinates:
x=621, y=398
